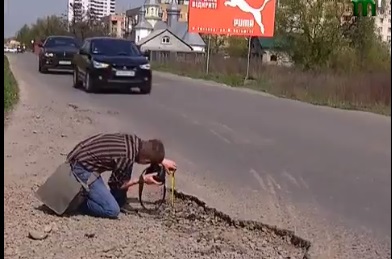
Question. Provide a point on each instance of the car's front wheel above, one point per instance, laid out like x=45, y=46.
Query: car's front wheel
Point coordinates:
x=88, y=84
x=41, y=68
x=145, y=89
x=76, y=81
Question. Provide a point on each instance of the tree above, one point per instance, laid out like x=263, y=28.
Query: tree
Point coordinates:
x=237, y=46
x=371, y=53
x=323, y=33
x=42, y=28
x=24, y=35
x=310, y=29
x=216, y=42
x=85, y=23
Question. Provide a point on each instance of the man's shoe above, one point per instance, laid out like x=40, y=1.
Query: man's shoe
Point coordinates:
x=128, y=209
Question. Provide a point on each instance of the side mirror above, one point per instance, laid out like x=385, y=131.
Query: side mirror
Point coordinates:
x=40, y=45
x=82, y=52
x=146, y=54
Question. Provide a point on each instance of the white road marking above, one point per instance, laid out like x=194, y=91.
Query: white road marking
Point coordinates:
x=220, y=136
x=224, y=126
x=193, y=121
x=258, y=177
x=184, y=115
x=274, y=182
x=291, y=178
x=271, y=185
x=302, y=180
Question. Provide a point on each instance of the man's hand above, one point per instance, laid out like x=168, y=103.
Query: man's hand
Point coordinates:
x=149, y=179
x=169, y=164
x=130, y=183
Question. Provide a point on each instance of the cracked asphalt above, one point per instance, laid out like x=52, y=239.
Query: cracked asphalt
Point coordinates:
x=322, y=172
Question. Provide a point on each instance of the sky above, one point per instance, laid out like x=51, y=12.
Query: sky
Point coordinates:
x=20, y=12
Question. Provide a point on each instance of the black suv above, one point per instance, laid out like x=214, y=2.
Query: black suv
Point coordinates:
x=57, y=53
x=104, y=62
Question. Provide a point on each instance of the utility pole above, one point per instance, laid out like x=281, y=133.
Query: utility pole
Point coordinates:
x=6, y=12
x=6, y=6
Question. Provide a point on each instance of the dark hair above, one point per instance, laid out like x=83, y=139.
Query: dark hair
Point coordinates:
x=151, y=150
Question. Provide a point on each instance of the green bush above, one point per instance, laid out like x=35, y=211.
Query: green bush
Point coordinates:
x=10, y=87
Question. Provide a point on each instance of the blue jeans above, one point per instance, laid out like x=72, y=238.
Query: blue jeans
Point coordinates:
x=100, y=202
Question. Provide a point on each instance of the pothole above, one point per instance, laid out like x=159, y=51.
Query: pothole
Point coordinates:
x=191, y=231
x=213, y=234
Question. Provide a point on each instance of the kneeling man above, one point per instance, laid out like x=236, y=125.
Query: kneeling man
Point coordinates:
x=116, y=152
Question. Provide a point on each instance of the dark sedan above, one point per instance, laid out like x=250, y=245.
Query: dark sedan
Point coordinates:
x=111, y=63
x=57, y=53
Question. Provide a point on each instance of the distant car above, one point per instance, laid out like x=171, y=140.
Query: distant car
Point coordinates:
x=9, y=49
x=57, y=53
x=20, y=49
x=111, y=63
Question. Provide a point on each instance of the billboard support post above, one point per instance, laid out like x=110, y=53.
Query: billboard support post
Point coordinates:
x=208, y=54
x=242, y=18
x=248, y=59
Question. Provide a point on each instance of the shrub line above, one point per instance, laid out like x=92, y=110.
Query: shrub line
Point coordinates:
x=364, y=92
x=11, y=91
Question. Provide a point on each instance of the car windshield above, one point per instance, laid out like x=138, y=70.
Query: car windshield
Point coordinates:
x=61, y=41
x=114, y=47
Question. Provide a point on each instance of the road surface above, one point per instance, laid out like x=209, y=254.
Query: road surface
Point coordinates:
x=325, y=173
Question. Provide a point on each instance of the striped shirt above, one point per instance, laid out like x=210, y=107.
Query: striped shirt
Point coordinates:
x=107, y=152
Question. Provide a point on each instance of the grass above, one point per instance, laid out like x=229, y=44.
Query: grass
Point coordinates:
x=370, y=91
x=10, y=87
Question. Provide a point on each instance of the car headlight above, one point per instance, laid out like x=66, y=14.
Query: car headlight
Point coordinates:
x=145, y=66
x=48, y=54
x=97, y=64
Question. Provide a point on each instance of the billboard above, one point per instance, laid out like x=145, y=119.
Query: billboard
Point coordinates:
x=232, y=17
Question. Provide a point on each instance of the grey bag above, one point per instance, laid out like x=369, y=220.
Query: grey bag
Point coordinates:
x=63, y=192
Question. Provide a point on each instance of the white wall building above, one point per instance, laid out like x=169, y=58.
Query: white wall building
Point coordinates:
x=103, y=8
x=152, y=33
x=383, y=22
x=180, y=2
x=100, y=8
x=143, y=28
x=76, y=9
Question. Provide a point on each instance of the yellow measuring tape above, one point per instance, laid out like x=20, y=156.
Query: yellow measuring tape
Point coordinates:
x=173, y=185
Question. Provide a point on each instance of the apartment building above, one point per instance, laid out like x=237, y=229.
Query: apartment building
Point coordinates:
x=76, y=9
x=115, y=24
x=183, y=11
x=102, y=8
x=99, y=8
x=383, y=22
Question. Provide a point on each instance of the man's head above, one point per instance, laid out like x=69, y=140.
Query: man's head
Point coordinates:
x=151, y=152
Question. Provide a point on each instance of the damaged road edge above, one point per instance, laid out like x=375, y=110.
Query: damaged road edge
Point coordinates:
x=249, y=224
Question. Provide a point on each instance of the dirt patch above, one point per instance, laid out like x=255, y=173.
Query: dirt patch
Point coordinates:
x=223, y=235
x=190, y=230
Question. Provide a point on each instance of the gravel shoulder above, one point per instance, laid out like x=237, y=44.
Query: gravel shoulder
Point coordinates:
x=42, y=130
